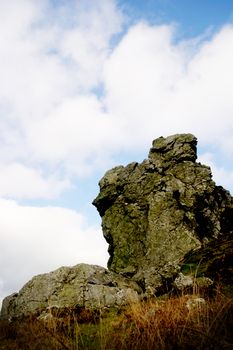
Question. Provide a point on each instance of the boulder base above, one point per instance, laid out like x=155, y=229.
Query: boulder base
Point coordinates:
x=89, y=286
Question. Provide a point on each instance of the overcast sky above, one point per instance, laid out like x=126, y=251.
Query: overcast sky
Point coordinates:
x=86, y=85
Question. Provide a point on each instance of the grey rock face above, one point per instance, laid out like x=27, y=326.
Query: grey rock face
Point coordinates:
x=155, y=212
x=82, y=285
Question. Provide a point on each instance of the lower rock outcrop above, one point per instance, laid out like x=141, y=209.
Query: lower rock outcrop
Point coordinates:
x=88, y=286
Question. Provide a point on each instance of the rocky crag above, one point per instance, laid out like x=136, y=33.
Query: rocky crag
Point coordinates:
x=165, y=221
x=156, y=212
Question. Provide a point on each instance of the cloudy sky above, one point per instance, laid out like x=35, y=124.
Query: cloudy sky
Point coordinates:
x=86, y=85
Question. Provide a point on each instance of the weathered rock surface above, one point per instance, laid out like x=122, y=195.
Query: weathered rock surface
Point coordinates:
x=83, y=285
x=155, y=212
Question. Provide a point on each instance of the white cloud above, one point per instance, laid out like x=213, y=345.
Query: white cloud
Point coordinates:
x=87, y=45
x=30, y=79
x=222, y=176
x=18, y=181
x=36, y=240
x=43, y=59
x=75, y=135
x=50, y=61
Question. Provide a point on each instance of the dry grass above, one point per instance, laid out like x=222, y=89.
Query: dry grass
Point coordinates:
x=167, y=325
x=155, y=324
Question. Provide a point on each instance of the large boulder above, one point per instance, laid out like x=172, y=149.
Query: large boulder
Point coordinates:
x=155, y=212
x=80, y=286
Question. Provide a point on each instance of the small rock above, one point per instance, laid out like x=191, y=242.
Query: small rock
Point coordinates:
x=193, y=303
x=181, y=282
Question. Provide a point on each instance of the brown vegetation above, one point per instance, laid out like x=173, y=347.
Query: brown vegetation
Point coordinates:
x=155, y=324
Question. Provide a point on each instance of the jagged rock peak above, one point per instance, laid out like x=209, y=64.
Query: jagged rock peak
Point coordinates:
x=176, y=147
x=155, y=212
